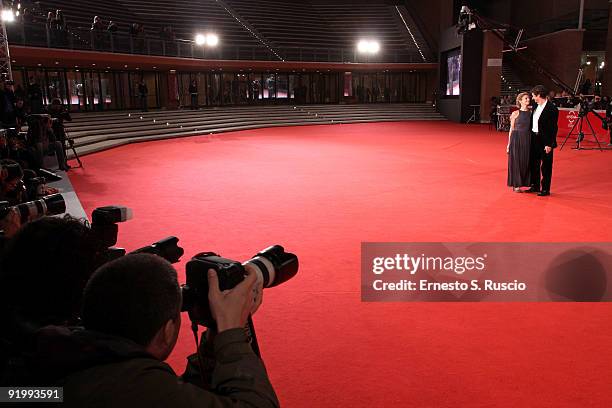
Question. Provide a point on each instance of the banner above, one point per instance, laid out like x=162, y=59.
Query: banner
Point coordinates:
x=568, y=117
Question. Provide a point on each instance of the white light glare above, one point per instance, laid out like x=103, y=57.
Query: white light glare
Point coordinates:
x=8, y=15
x=212, y=40
x=368, y=46
x=200, y=39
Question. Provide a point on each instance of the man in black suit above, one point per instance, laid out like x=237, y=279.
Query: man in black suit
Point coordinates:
x=543, y=140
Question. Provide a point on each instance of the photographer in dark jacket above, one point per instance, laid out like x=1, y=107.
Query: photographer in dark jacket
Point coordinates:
x=12, y=189
x=35, y=96
x=59, y=115
x=41, y=289
x=118, y=360
x=43, y=141
x=7, y=103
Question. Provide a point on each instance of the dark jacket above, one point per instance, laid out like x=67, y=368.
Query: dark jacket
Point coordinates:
x=547, y=126
x=98, y=370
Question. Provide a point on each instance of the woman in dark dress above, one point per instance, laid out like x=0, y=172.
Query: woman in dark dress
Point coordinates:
x=519, y=144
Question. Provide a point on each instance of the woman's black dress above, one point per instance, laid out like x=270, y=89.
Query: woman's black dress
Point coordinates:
x=518, y=157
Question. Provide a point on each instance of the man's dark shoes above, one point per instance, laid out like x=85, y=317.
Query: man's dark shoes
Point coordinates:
x=543, y=193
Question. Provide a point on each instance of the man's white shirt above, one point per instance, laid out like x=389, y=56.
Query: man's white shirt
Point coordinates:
x=536, y=117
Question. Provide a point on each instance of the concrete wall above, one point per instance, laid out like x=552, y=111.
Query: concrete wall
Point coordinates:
x=559, y=53
x=529, y=12
x=491, y=73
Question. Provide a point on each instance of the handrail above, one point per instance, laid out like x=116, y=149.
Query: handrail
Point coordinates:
x=41, y=35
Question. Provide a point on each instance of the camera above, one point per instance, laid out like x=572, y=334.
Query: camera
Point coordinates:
x=104, y=222
x=50, y=205
x=585, y=107
x=167, y=248
x=104, y=226
x=273, y=266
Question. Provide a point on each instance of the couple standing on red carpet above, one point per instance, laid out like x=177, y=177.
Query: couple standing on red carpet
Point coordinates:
x=531, y=140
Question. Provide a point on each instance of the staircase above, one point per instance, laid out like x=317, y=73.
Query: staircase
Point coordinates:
x=413, y=35
x=510, y=82
x=94, y=132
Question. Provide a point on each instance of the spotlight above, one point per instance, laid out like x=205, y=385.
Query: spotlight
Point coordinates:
x=374, y=47
x=362, y=46
x=368, y=46
x=212, y=40
x=8, y=16
x=200, y=39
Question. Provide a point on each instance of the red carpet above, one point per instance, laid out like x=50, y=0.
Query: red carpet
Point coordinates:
x=322, y=190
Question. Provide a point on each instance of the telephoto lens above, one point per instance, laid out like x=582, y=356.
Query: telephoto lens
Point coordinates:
x=50, y=205
x=167, y=248
x=273, y=266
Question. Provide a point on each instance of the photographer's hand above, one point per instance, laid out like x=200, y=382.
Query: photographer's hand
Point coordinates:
x=231, y=308
x=257, y=289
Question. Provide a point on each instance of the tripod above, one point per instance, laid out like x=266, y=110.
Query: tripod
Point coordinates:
x=582, y=117
x=71, y=146
x=475, y=113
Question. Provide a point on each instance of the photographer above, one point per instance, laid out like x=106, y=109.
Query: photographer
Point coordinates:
x=5, y=151
x=17, y=150
x=18, y=119
x=43, y=270
x=43, y=141
x=7, y=103
x=129, y=337
x=59, y=114
x=35, y=96
x=12, y=189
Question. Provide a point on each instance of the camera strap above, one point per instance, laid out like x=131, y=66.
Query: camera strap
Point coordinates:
x=249, y=330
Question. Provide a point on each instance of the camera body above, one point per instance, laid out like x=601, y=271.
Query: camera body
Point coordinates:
x=585, y=107
x=272, y=266
x=195, y=291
